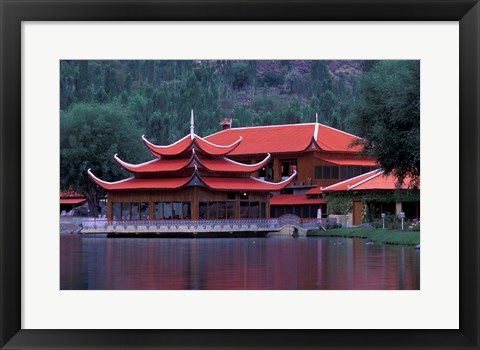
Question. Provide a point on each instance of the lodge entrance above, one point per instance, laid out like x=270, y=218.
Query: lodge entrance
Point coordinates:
x=357, y=212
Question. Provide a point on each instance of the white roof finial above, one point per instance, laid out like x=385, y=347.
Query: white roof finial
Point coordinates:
x=316, y=117
x=192, y=125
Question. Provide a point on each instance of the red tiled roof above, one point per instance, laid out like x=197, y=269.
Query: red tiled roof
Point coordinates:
x=284, y=138
x=360, y=162
x=169, y=165
x=245, y=184
x=295, y=199
x=136, y=183
x=315, y=190
x=72, y=200
x=217, y=183
x=374, y=180
x=227, y=165
x=345, y=185
x=70, y=194
x=191, y=141
x=156, y=165
x=381, y=182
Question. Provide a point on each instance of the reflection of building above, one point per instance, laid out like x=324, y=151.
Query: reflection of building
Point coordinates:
x=254, y=172
x=374, y=193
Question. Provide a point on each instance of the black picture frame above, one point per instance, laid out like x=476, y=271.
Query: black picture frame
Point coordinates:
x=13, y=12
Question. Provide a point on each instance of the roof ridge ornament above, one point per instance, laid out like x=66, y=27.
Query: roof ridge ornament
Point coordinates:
x=192, y=126
x=315, y=132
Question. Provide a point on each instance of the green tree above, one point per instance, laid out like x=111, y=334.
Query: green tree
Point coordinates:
x=387, y=116
x=90, y=134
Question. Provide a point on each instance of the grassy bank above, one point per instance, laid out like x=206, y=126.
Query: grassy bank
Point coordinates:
x=376, y=235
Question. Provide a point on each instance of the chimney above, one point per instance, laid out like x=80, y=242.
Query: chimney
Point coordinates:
x=226, y=123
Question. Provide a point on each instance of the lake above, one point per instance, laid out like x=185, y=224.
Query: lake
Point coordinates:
x=96, y=262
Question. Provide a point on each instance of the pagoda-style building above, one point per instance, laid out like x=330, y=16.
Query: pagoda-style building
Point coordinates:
x=192, y=178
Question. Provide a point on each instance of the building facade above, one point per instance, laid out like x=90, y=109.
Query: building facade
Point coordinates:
x=237, y=173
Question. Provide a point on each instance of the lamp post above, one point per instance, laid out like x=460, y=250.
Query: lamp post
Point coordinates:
x=383, y=220
x=402, y=216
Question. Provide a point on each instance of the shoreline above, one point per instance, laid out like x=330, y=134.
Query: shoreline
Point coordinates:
x=408, y=238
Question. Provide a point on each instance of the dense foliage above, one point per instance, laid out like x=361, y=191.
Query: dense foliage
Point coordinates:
x=387, y=115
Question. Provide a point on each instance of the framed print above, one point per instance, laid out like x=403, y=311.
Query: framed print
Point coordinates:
x=135, y=68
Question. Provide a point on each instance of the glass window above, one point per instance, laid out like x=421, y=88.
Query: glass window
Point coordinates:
x=221, y=210
x=135, y=212
x=202, y=210
x=313, y=211
x=212, y=210
x=186, y=210
x=357, y=170
x=297, y=210
x=343, y=172
x=350, y=172
x=335, y=172
x=318, y=172
x=288, y=209
x=116, y=211
x=244, y=210
x=230, y=210
x=125, y=211
x=254, y=210
x=365, y=169
x=231, y=195
x=144, y=213
x=167, y=210
x=158, y=211
x=326, y=172
x=305, y=211
x=177, y=210
x=263, y=213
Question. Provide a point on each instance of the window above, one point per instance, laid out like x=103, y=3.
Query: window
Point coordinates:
x=230, y=210
x=202, y=210
x=365, y=169
x=135, y=213
x=244, y=210
x=177, y=210
x=221, y=210
x=158, y=211
x=254, y=210
x=244, y=195
x=167, y=210
x=144, y=213
x=343, y=172
x=116, y=211
x=186, y=210
x=125, y=211
x=326, y=172
x=318, y=172
x=263, y=207
x=212, y=210
x=335, y=172
x=357, y=170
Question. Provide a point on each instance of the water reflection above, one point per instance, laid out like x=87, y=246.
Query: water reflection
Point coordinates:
x=95, y=262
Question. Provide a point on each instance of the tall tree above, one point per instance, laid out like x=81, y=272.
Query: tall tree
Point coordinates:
x=387, y=116
x=90, y=134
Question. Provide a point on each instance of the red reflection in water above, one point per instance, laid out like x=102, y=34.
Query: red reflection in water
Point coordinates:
x=237, y=263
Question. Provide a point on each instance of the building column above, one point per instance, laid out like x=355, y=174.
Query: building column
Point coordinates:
x=151, y=210
x=398, y=208
x=109, y=210
x=277, y=170
x=237, y=205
